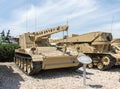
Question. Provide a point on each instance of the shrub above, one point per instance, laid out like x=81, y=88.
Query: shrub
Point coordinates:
x=7, y=52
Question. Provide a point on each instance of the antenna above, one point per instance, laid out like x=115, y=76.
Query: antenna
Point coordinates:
x=63, y=36
x=112, y=23
x=35, y=22
x=67, y=24
x=35, y=19
x=26, y=16
x=69, y=17
x=67, y=21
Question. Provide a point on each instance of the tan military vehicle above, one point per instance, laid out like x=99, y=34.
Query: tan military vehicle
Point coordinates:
x=35, y=52
x=96, y=45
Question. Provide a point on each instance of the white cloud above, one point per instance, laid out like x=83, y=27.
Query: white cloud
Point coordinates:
x=49, y=14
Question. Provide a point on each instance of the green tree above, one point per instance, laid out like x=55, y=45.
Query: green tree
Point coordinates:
x=7, y=52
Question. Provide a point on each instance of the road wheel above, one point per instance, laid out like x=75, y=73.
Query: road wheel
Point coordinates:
x=100, y=66
x=29, y=67
x=22, y=64
x=19, y=62
x=25, y=65
x=90, y=65
x=106, y=60
x=15, y=60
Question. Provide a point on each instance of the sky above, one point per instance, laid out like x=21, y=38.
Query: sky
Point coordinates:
x=82, y=16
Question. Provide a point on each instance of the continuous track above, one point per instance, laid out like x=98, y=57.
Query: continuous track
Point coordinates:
x=102, y=64
x=25, y=64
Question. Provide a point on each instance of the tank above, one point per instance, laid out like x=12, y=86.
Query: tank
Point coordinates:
x=36, y=53
x=97, y=45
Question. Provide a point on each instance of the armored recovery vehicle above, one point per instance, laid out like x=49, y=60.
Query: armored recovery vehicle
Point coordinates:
x=97, y=45
x=35, y=52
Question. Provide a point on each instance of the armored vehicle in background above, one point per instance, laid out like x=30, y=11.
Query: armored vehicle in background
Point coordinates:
x=35, y=52
x=97, y=45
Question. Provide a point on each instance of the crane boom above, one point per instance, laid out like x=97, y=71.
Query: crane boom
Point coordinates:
x=49, y=32
x=39, y=38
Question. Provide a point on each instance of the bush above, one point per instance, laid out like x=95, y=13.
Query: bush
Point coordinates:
x=7, y=52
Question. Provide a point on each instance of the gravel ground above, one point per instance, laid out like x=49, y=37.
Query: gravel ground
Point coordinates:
x=11, y=77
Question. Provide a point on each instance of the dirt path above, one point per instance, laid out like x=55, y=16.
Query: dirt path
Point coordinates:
x=11, y=77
